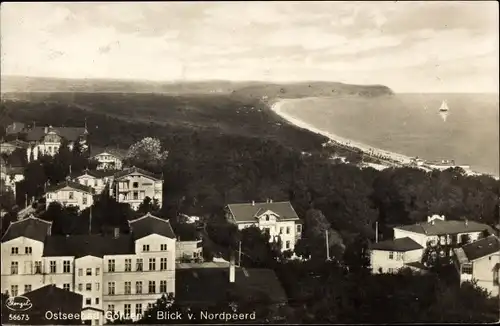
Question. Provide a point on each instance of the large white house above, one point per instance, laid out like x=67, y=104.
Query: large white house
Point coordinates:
x=133, y=185
x=410, y=241
x=108, y=158
x=70, y=193
x=98, y=180
x=278, y=219
x=480, y=261
x=48, y=140
x=119, y=275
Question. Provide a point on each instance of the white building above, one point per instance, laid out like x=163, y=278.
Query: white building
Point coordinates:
x=480, y=261
x=108, y=158
x=133, y=185
x=410, y=242
x=9, y=176
x=48, y=140
x=278, y=219
x=70, y=193
x=98, y=180
x=119, y=275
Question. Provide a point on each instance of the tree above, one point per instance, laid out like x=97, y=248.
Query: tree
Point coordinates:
x=147, y=153
x=256, y=248
x=357, y=256
x=149, y=206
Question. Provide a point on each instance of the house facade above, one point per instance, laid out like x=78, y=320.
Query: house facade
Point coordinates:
x=189, y=250
x=119, y=275
x=48, y=140
x=70, y=193
x=98, y=180
x=10, y=146
x=109, y=159
x=410, y=241
x=133, y=185
x=9, y=176
x=480, y=261
x=278, y=219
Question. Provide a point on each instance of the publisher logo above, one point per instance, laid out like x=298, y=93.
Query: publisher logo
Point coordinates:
x=19, y=303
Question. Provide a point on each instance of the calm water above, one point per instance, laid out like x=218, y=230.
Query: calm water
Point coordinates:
x=410, y=124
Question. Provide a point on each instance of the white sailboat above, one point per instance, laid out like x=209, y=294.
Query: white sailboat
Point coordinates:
x=444, y=111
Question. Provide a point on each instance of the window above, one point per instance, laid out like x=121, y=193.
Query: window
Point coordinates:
x=163, y=286
x=80, y=287
x=80, y=271
x=127, y=309
x=390, y=270
x=14, y=251
x=66, y=266
x=163, y=247
x=95, y=183
x=128, y=265
x=15, y=290
x=97, y=271
x=267, y=217
x=150, y=305
x=467, y=269
x=145, y=248
x=391, y=255
x=299, y=228
x=88, y=301
x=27, y=288
x=495, y=276
x=138, y=309
x=84, y=200
x=287, y=230
x=138, y=266
x=86, y=182
x=38, y=267
x=88, y=272
x=88, y=287
x=111, y=307
x=152, y=287
x=66, y=287
x=152, y=264
x=128, y=287
x=163, y=264
x=136, y=195
x=287, y=244
x=135, y=185
x=111, y=265
x=138, y=287
x=97, y=286
x=28, y=250
x=71, y=195
x=111, y=288
x=14, y=268
x=399, y=256
x=53, y=269
x=96, y=321
x=96, y=300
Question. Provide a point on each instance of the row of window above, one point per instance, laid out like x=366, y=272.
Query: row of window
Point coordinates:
x=71, y=196
x=14, y=289
x=86, y=182
x=127, y=308
x=399, y=255
x=28, y=269
x=27, y=251
x=127, y=287
x=163, y=247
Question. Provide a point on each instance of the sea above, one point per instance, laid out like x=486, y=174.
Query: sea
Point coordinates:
x=411, y=124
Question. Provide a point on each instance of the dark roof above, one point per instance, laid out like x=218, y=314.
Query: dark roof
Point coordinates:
x=69, y=133
x=96, y=173
x=120, y=153
x=30, y=227
x=247, y=212
x=71, y=184
x=52, y=298
x=134, y=169
x=17, y=143
x=15, y=127
x=88, y=245
x=211, y=285
x=149, y=224
x=482, y=248
x=445, y=227
x=401, y=244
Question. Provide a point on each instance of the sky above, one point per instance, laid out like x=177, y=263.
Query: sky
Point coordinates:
x=409, y=46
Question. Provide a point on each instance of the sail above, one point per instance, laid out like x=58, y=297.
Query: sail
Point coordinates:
x=444, y=107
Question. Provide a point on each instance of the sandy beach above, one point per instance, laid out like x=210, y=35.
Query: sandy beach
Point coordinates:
x=389, y=158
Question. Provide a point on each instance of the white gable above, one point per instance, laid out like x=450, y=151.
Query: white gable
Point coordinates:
x=272, y=215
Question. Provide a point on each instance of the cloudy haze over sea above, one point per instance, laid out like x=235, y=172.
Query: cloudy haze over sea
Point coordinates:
x=426, y=46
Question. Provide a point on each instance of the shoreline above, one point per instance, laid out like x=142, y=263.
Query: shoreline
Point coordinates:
x=388, y=159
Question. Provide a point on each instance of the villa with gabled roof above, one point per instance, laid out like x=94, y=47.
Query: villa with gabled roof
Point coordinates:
x=278, y=219
x=133, y=185
x=70, y=193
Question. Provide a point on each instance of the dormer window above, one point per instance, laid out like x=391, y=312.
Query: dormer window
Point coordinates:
x=71, y=195
x=267, y=217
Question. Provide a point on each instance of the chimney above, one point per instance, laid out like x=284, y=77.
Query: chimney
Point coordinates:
x=116, y=233
x=270, y=200
x=253, y=202
x=46, y=130
x=232, y=270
